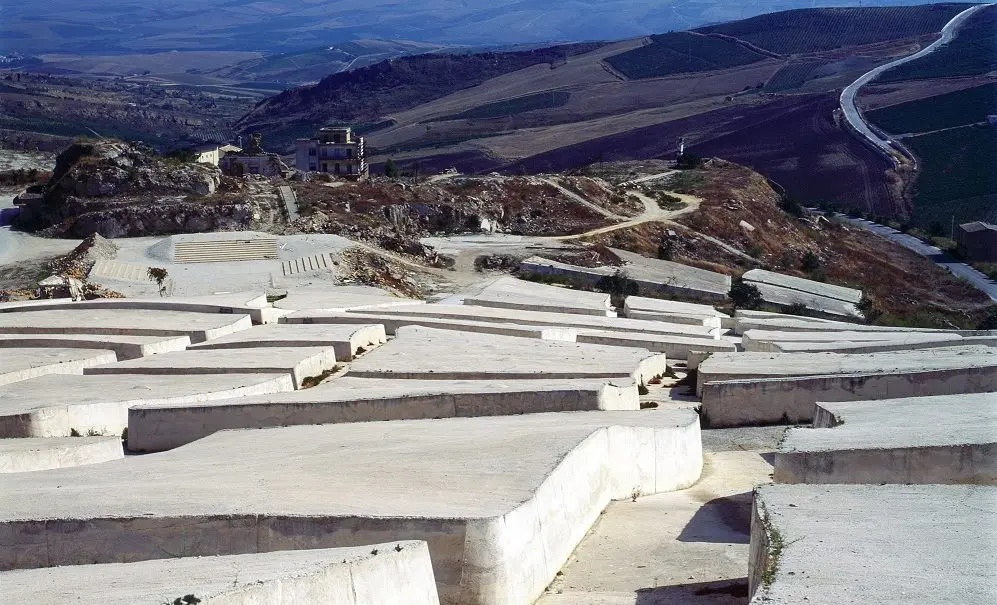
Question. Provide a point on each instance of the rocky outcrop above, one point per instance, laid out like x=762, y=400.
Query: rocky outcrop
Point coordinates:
x=118, y=189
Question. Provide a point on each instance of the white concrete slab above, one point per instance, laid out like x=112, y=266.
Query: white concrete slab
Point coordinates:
x=53, y=406
x=375, y=574
x=743, y=366
x=918, y=440
x=776, y=341
x=133, y=322
x=792, y=400
x=787, y=297
x=659, y=309
x=502, y=501
x=153, y=428
x=300, y=362
x=539, y=318
x=27, y=455
x=392, y=323
x=346, y=340
x=675, y=347
x=793, y=323
x=22, y=363
x=341, y=298
x=820, y=289
x=512, y=293
x=427, y=354
x=230, y=304
x=833, y=544
x=126, y=347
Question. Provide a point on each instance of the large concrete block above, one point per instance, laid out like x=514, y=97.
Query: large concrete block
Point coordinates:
x=501, y=501
x=26, y=455
x=512, y=293
x=918, y=440
x=253, y=304
x=300, y=362
x=849, y=341
x=791, y=400
x=833, y=544
x=821, y=289
x=745, y=366
x=657, y=309
x=347, y=340
x=674, y=347
x=427, y=354
x=376, y=574
x=125, y=347
x=53, y=406
x=392, y=323
x=156, y=427
x=341, y=298
x=135, y=322
x=17, y=364
x=538, y=318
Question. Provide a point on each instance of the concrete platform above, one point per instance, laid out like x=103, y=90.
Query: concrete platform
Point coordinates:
x=820, y=289
x=792, y=323
x=788, y=297
x=393, y=323
x=346, y=340
x=745, y=366
x=675, y=347
x=375, y=574
x=27, y=455
x=833, y=544
x=153, y=428
x=427, y=354
x=228, y=304
x=512, y=293
x=652, y=276
x=792, y=400
x=341, y=298
x=502, y=501
x=919, y=440
x=132, y=322
x=299, y=362
x=658, y=309
x=537, y=318
x=17, y=364
x=125, y=347
x=52, y=406
x=775, y=341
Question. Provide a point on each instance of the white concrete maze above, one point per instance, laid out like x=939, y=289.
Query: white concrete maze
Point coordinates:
x=341, y=445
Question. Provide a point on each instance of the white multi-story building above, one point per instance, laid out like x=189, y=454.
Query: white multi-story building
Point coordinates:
x=335, y=151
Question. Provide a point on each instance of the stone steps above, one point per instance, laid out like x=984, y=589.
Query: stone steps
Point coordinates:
x=227, y=250
x=307, y=264
x=112, y=269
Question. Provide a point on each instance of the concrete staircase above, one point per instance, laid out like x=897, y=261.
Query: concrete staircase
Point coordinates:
x=225, y=250
x=308, y=264
x=112, y=269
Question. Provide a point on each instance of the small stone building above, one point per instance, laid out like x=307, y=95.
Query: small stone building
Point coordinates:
x=253, y=160
x=335, y=150
x=977, y=241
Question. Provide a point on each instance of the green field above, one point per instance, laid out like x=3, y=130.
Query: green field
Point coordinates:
x=805, y=31
x=958, y=108
x=509, y=107
x=957, y=176
x=972, y=52
x=793, y=76
x=681, y=52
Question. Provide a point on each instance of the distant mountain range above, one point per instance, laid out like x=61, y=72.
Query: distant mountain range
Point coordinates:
x=268, y=26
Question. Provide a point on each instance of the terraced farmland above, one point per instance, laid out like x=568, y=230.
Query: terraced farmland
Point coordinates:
x=681, y=52
x=958, y=108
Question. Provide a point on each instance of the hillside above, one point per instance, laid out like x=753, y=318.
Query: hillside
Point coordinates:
x=129, y=26
x=768, y=102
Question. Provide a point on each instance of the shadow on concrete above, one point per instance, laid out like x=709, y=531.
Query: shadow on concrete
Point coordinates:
x=726, y=519
x=722, y=592
x=768, y=457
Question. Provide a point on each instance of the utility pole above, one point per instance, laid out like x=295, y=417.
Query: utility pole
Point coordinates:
x=952, y=229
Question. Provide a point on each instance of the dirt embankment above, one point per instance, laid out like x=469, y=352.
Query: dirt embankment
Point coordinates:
x=740, y=209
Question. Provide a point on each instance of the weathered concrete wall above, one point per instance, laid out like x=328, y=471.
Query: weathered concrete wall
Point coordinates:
x=110, y=416
x=792, y=400
x=392, y=323
x=26, y=455
x=374, y=574
x=674, y=347
x=21, y=364
x=155, y=428
x=970, y=463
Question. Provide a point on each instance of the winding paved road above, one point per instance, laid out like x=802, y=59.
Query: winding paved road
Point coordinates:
x=849, y=95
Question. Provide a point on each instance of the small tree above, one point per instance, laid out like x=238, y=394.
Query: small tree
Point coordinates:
x=619, y=286
x=811, y=262
x=158, y=275
x=744, y=295
x=868, y=309
x=391, y=170
x=666, y=249
x=990, y=321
